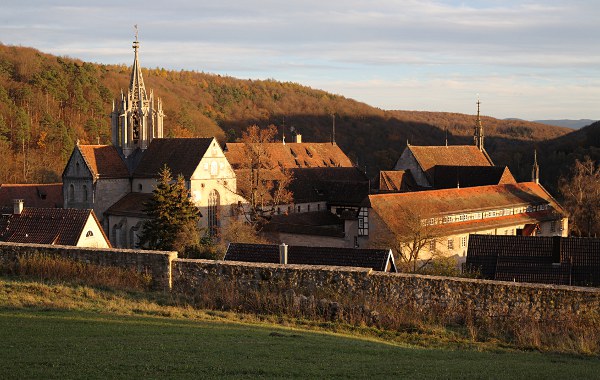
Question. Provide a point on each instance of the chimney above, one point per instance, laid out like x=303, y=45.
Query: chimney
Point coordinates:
x=283, y=253
x=18, y=206
x=298, y=138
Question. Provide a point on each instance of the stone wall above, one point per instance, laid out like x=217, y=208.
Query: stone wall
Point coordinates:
x=395, y=290
x=342, y=287
x=156, y=263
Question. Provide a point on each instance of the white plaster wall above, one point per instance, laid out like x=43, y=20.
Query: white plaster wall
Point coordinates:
x=97, y=239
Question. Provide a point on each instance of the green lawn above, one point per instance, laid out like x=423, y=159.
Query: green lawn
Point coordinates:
x=77, y=344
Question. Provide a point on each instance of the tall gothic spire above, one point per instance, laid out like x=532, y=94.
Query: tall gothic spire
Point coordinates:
x=535, y=171
x=135, y=119
x=136, y=83
x=478, y=135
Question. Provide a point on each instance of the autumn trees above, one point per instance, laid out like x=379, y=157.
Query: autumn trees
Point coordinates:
x=581, y=194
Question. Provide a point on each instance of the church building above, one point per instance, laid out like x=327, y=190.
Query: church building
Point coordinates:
x=116, y=180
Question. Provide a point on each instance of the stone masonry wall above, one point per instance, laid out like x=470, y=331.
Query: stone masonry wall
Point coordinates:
x=397, y=290
x=156, y=263
x=339, y=286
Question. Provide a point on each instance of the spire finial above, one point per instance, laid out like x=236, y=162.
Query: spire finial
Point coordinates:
x=478, y=135
x=333, y=129
x=136, y=32
x=535, y=170
x=446, y=131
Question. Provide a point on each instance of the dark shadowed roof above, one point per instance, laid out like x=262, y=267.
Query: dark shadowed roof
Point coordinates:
x=48, y=226
x=397, y=181
x=451, y=176
x=553, y=260
x=181, y=155
x=131, y=204
x=339, y=186
x=454, y=155
x=103, y=161
x=319, y=223
x=292, y=155
x=376, y=259
x=34, y=195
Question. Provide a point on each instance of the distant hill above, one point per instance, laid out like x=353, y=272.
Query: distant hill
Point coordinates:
x=558, y=155
x=573, y=124
x=47, y=103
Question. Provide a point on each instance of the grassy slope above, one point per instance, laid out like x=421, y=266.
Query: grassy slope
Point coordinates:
x=78, y=332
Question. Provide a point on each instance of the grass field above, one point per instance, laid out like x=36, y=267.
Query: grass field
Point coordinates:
x=57, y=331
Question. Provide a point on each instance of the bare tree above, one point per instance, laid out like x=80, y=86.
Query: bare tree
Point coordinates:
x=414, y=245
x=265, y=184
x=581, y=194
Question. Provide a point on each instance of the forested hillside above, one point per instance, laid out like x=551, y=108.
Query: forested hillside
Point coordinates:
x=47, y=103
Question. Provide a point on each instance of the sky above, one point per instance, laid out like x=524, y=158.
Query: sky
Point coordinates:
x=524, y=59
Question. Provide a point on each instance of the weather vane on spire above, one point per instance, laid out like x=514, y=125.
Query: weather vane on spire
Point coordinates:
x=136, y=32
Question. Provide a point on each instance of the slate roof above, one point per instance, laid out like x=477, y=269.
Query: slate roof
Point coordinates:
x=455, y=155
x=34, y=195
x=553, y=260
x=397, y=181
x=131, y=204
x=181, y=155
x=103, y=161
x=47, y=226
x=318, y=223
x=292, y=155
x=376, y=259
x=451, y=176
x=455, y=201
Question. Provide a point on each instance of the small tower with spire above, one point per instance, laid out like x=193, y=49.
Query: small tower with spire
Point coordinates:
x=535, y=170
x=478, y=135
x=135, y=119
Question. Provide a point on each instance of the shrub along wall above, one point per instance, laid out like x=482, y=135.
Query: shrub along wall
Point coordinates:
x=155, y=263
x=333, y=288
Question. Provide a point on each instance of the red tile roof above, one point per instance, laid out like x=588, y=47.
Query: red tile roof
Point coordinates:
x=47, y=226
x=34, y=195
x=452, y=155
x=397, y=181
x=181, y=155
x=454, y=201
x=292, y=155
x=103, y=161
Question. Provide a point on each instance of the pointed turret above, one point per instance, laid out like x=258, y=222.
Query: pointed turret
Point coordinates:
x=478, y=135
x=535, y=171
x=135, y=120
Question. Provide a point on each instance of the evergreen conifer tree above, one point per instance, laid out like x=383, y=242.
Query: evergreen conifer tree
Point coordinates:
x=169, y=211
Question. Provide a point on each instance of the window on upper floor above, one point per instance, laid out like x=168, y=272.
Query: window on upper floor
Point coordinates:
x=553, y=226
x=450, y=244
x=89, y=234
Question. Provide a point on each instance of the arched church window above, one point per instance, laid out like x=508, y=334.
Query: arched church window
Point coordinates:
x=71, y=194
x=85, y=193
x=89, y=234
x=213, y=212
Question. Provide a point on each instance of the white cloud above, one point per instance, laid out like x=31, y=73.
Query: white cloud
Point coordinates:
x=428, y=54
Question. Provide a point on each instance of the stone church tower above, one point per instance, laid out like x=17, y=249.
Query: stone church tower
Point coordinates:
x=135, y=119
